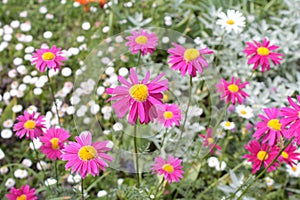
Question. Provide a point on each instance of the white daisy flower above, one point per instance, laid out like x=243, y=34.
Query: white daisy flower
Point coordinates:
x=212, y=161
x=244, y=111
x=74, y=179
x=234, y=20
x=227, y=125
x=50, y=181
x=8, y=123
x=6, y=133
x=2, y=154
x=10, y=182
x=221, y=166
x=36, y=143
x=27, y=162
x=269, y=181
x=19, y=173
x=3, y=170
x=42, y=165
x=294, y=171
x=101, y=193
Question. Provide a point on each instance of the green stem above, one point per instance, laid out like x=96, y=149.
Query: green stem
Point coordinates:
x=221, y=117
x=187, y=109
x=138, y=62
x=53, y=97
x=56, y=172
x=219, y=180
x=165, y=134
x=136, y=155
x=157, y=189
x=38, y=159
x=260, y=174
x=82, y=190
x=250, y=76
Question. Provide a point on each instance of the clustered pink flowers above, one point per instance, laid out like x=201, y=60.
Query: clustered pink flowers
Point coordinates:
x=274, y=130
x=142, y=101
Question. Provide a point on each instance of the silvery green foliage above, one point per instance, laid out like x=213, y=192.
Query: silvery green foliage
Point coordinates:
x=138, y=21
x=236, y=182
x=282, y=29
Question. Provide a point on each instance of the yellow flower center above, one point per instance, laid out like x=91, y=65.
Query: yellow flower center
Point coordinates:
x=168, y=115
x=299, y=114
x=274, y=124
x=262, y=155
x=285, y=155
x=227, y=123
x=22, y=197
x=30, y=124
x=263, y=51
x=243, y=112
x=210, y=140
x=139, y=92
x=48, y=56
x=191, y=54
x=168, y=168
x=141, y=39
x=54, y=142
x=294, y=168
x=166, y=97
x=87, y=153
x=230, y=22
x=233, y=88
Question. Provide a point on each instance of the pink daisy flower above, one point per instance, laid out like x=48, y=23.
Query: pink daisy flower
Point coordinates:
x=291, y=116
x=139, y=97
x=170, y=168
x=270, y=128
x=53, y=142
x=261, y=53
x=294, y=132
x=260, y=155
x=30, y=125
x=169, y=115
x=51, y=58
x=188, y=60
x=290, y=155
x=86, y=157
x=142, y=41
x=24, y=193
x=232, y=91
x=209, y=141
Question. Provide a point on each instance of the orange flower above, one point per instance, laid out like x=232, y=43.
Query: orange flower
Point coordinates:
x=85, y=2
x=102, y=3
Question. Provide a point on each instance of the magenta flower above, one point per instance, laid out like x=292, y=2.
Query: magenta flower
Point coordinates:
x=270, y=128
x=53, y=142
x=188, y=60
x=291, y=116
x=142, y=41
x=169, y=115
x=51, y=58
x=261, y=53
x=86, y=157
x=232, y=91
x=138, y=97
x=24, y=193
x=261, y=155
x=170, y=168
x=30, y=125
x=290, y=155
x=209, y=141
